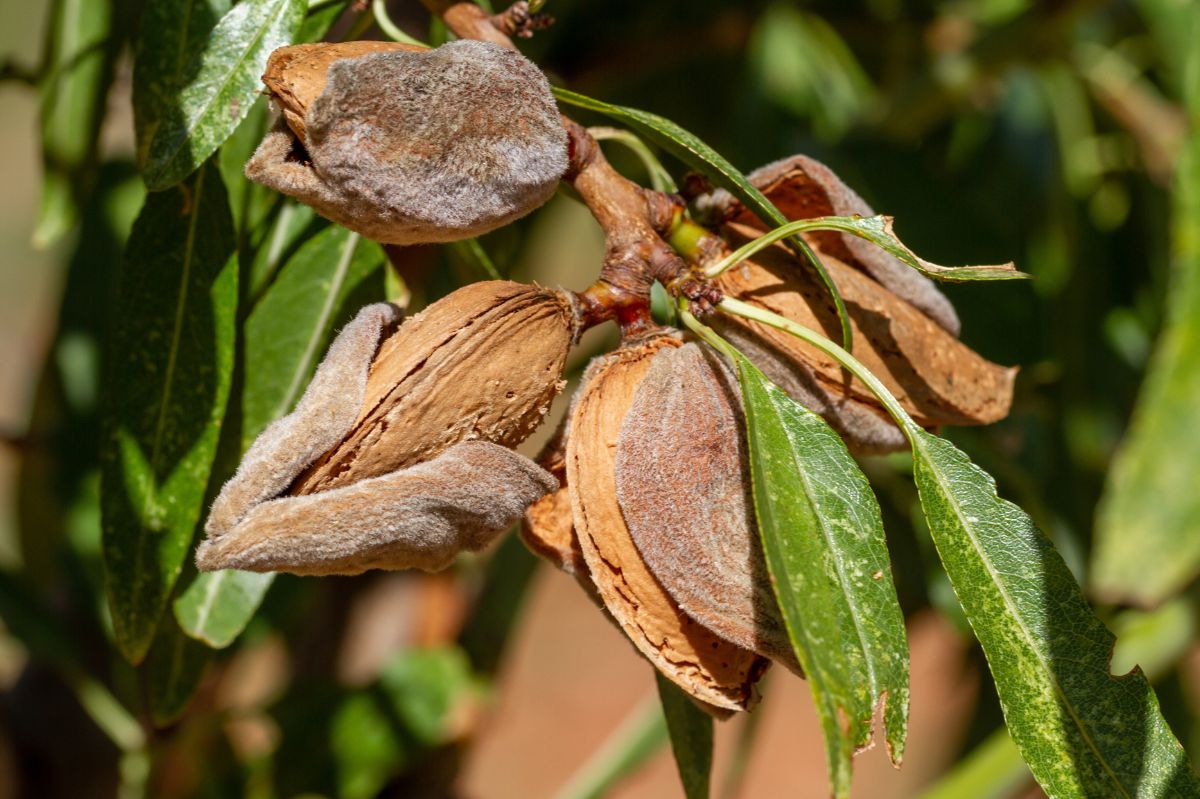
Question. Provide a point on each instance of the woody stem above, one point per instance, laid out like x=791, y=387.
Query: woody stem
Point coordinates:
x=634, y=219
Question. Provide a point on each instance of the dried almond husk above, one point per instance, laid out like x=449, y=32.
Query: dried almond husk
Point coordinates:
x=398, y=454
x=683, y=483
x=296, y=75
x=548, y=528
x=709, y=668
x=937, y=378
x=409, y=145
x=483, y=363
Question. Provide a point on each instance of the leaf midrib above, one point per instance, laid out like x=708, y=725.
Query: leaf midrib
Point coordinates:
x=1025, y=632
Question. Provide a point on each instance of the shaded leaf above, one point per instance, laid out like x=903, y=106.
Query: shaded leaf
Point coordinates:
x=169, y=367
x=1082, y=731
x=1147, y=536
x=825, y=550
x=691, y=731
x=699, y=156
x=217, y=88
x=176, y=664
x=285, y=336
x=379, y=732
x=79, y=61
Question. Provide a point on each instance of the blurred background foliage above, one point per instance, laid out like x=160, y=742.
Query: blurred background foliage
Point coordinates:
x=1056, y=134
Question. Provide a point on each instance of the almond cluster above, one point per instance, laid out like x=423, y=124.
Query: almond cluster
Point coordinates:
x=402, y=451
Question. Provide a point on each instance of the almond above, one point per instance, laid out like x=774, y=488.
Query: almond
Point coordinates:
x=683, y=482
x=296, y=75
x=709, y=668
x=483, y=363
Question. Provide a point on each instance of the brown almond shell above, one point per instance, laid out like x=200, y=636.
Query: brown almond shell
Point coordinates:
x=483, y=363
x=709, y=668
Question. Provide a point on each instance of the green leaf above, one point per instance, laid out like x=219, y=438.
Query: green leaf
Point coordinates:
x=286, y=335
x=170, y=33
x=73, y=94
x=1082, y=731
x=217, y=88
x=689, y=149
x=691, y=732
x=878, y=231
x=319, y=20
x=290, y=327
x=169, y=367
x=175, y=666
x=823, y=540
x=1147, y=537
x=378, y=733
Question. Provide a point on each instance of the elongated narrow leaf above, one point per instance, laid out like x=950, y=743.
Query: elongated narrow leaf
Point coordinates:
x=171, y=357
x=689, y=149
x=170, y=34
x=878, y=230
x=1148, y=537
x=80, y=56
x=1083, y=732
x=691, y=731
x=825, y=550
x=286, y=336
x=176, y=665
x=218, y=87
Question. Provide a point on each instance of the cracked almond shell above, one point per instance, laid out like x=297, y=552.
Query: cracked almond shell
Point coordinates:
x=483, y=363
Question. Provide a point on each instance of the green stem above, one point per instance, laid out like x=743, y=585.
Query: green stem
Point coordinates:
x=767, y=239
x=738, y=308
x=660, y=178
x=389, y=28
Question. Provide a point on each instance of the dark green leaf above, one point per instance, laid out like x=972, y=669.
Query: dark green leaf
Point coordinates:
x=286, y=335
x=1147, y=536
x=80, y=58
x=699, y=156
x=320, y=20
x=217, y=87
x=691, y=732
x=169, y=367
x=1082, y=731
x=176, y=665
x=825, y=550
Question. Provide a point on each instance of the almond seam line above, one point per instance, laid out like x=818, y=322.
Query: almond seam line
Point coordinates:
x=912, y=431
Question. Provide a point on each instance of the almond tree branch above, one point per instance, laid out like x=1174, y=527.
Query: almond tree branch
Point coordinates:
x=634, y=219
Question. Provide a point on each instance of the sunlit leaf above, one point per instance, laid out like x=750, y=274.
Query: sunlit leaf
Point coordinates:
x=170, y=33
x=1082, y=731
x=699, y=156
x=691, y=731
x=169, y=369
x=827, y=557
x=217, y=87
